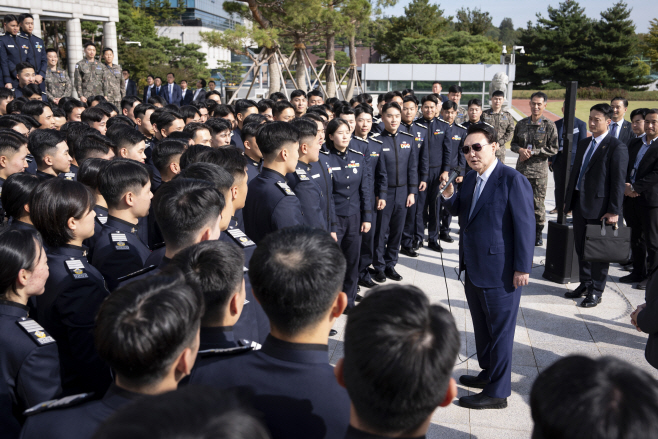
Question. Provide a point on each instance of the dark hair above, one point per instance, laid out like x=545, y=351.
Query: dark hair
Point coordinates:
x=264, y=104
x=106, y=49
x=213, y=92
x=317, y=110
x=6, y=93
x=603, y=108
x=214, y=269
x=223, y=110
x=360, y=109
x=124, y=137
x=308, y=130
x=218, y=125
x=154, y=99
x=429, y=98
x=92, y=144
x=476, y=102
x=53, y=202
x=43, y=142
x=94, y=114
x=390, y=105
x=150, y=76
x=449, y=105
x=210, y=172
x=436, y=82
x=407, y=92
x=255, y=118
x=127, y=71
x=34, y=108
x=230, y=158
x=620, y=400
x=211, y=106
x=141, y=328
x=32, y=89
x=9, y=18
x=122, y=120
x=293, y=289
x=388, y=97
x=9, y=121
x=162, y=118
x=141, y=109
x=16, y=106
x=242, y=105
x=129, y=101
x=121, y=176
x=539, y=94
x=332, y=127
x=89, y=43
x=108, y=107
x=314, y=93
x=181, y=136
x=192, y=128
x=498, y=93
x=29, y=121
x=190, y=155
x=344, y=109
x=639, y=111
x=455, y=89
x=11, y=142
x=203, y=82
x=410, y=98
x=57, y=112
x=277, y=96
x=16, y=194
x=486, y=129
x=72, y=104
x=619, y=98
x=23, y=66
x=280, y=106
x=188, y=112
x=297, y=93
x=380, y=97
x=90, y=170
x=97, y=98
x=164, y=151
x=398, y=322
x=16, y=255
x=273, y=136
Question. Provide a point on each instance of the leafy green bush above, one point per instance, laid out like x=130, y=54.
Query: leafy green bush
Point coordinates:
x=593, y=93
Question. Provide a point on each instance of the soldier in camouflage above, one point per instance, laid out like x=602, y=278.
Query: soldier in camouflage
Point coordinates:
x=501, y=120
x=58, y=83
x=455, y=95
x=113, y=81
x=89, y=75
x=535, y=140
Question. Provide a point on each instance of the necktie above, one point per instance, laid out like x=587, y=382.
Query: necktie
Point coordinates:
x=171, y=92
x=585, y=163
x=613, y=130
x=476, y=196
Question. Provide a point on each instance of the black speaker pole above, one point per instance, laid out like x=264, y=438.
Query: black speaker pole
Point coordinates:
x=567, y=143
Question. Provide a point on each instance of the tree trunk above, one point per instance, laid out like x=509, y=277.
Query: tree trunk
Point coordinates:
x=331, y=65
x=351, y=81
x=300, y=69
x=274, y=77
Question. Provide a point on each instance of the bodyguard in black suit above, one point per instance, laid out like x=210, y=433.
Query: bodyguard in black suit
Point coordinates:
x=557, y=161
x=620, y=128
x=594, y=193
x=645, y=319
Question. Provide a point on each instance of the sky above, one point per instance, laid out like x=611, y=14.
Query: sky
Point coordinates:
x=522, y=11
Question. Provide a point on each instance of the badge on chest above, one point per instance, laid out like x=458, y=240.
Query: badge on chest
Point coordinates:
x=77, y=269
x=120, y=241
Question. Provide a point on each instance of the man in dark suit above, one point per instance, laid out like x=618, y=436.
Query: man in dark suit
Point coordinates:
x=496, y=244
x=557, y=162
x=641, y=201
x=645, y=319
x=620, y=128
x=200, y=92
x=185, y=94
x=595, y=193
x=171, y=91
x=128, y=84
x=149, y=90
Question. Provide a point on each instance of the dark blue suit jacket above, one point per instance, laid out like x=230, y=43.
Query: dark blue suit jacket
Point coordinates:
x=175, y=96
x=131, y=90
x=579, y=133
x=499, y=238
x=188, y=97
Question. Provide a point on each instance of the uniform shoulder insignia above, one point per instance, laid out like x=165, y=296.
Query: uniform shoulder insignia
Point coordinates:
x=76, y=269
x=421, y=125
x=254, y=345
x=404, y=132
x=375, y=135
x=375, y=140
x=460, y=126
x=322, y=151
x=119, y=240
x=240, y=237
x=137, y=273
x=285, y=188
x=228, y=351
x=441, y=120
x=35, y=331
x=487, y=124
x=355, y=151
x=301, y=174
x=62, y=403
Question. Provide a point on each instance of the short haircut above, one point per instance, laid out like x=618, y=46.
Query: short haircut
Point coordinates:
x=314, y=93
x=23, y=16
x=603, y=108
x=6, y=93
x=242, y=105
x=297, y=93
x=250, y=130
x=143, y=327
x=171, y=73
x=436, y=82
x=17, y=105
x=410, y=98
x=344, y=109
x=293, y=289
x=317, y=110
x=449, y=105
x=223, y=110
x=17, y=255
x=150, y=76
x=129, y=101
x=107, y=49
x=57, y=112
x=11, y=142
x=539, y=94
x=620, y=400
x=498, y=93
x=34, y=108
x=203, y=82
x=164, y=151
x=29, y=121
x=455, y=89
x=486, y=129
x=9, y=121
x=390, y=105
x=16, y=192
x=381, y=97
x=44, y=142
x=121, y=176
x=53, y=202
x=92, y=145
x=193, y=127
x=398, y=322
x=264, y=105
x=213, y=92
x=214, y=269
x=190, y=155
x=210, y=172
x=254, y=118
x=360, y=109
x=407, y=91
x=109, y=107
x=89, y=171
x=120, y=119
x=280, y=106
x=71, y=104
x=619, y=98
x=124, y=137
x=154, y=99
x=127, y=71
x=9, y=18
x=162, y=118
x=388, y=97
x=188, y=112
x=74, y=131
x=278, y=96
x=273, y=136
x=183, y=136
x=31, y=90
x=476, y=102
x=98, y=99
x=230, y=158
x=94, y=114
x=218, y=125
x=89, y=43
x=314, y=116
x=308, y=130
x=639, y=112
x=23, y=66
x=141, y=109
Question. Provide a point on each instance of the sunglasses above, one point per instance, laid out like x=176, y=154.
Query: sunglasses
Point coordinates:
x=476, y=147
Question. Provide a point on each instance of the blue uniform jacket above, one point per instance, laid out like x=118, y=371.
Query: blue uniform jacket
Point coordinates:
x=455, y=136
x=271, y=205
x=322, y=176
x=236, y=138
x=310, y=195
x=352, y=184
x=14, y=50
x=253, y=168
x=397, y=165
x=38, y=54
x=99, y=221
x=436, y=150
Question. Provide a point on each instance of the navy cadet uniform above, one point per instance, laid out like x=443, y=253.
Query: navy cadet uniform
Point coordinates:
x=253, y=323
x=67, y=309
x=253, y=168
x=372, y=151
x=31, y=165
x=39, y=55
x=18, y=92
x=400, y=160
x=236, y=139
x=71, y=175
x=455, y=135
x=76, y=417
x=321, y=174
x=352, y=192
x=14, y=50
x=313, y=199
x=271, y=205
x=119, y=251
x=294, y=386
x=42, y=176
x=99, y=222
x=412, y=231
x=29, y=366
x=434, y=160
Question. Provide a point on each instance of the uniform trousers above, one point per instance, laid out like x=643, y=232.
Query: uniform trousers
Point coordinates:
x=367, y=247
x=348, y=232
x=413, y=228
x=592, y=274
x=434, y=203
x=390, y=222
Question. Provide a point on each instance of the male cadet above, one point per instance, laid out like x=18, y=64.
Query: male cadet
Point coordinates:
x=436, y=89
x=96, y=117
x=146, y=356
x=455, y=136
x=293, y=383
x=501, y=120
x=128, y=143
x=474, y=112
x=50, y=152
x=314, y=98
x=243, y=108
x=454, y=95
x=126, y=187
x=89, y=74
x=200, y=133
x=397, y=398
x=283, y=111
x=620, y=128
x=397, y=187
x=6, y=96
x=113, y=85
x=251, y=150
x=25, y=75
x=14, y=49
x=429, y=109
x=58, y=83
x=38, y=47
x=391, y=96
x=535, y=140
x=299, y=101
x=271, y=204
x=417, y=129
x=128, y=105
x=317, y=205
x=171, y=91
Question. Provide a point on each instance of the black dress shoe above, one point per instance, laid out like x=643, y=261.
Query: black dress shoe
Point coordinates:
x=591, y=300
x=367, y=283
x=379, y=276
x=642, y=285
x=627, y=267
x=358, y=298
x=372, y=270
x=435, y=246
x=581, y=291
x=408, y=251
x=631, y=278
x=418, y=243
x=358, y=289
x=471, y=381
x=392, y=274
x=482, y=401
x=332, y=332
x=446, y=237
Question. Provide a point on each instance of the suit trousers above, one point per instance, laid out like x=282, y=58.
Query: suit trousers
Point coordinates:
x=390, y=222
x=494, y=311
x=348, y=233
x=367, y=247
x=643, y=221
x=434, y=204
x=592, y=274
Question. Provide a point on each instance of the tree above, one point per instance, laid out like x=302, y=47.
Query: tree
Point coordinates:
x=455, y=48
x=508, y=35
x=474, y=22
x=232, y=71
x=651, y=41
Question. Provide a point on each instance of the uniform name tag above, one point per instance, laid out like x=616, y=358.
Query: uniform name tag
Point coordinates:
x=69, y=175
x=35, y=331
x=239, y=237
x=386, y=149
x=10, y=45
x=576, y=130
x=315, y=176
x=336, y=168
x=76, y=268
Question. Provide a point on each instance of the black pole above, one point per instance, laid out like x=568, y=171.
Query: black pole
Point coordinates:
x=567, y=143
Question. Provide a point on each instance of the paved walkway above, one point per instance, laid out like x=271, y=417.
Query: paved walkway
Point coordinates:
x=549, y=326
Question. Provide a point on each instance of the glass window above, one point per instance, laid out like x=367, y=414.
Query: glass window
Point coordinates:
x=420, y=86
x=445, y=86
x=472, y=86
x=467, y=97
x=400, y=85
x=378, y=86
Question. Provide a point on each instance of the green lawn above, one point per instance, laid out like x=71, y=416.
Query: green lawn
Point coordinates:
x=582, y=108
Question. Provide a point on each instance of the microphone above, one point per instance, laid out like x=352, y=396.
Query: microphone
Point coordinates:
x=456, y=172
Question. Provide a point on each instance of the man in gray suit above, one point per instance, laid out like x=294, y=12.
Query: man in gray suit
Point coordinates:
x=619, y=128
x=200, y=92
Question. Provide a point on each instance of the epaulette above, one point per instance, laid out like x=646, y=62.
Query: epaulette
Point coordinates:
x=441, y=120
x=254, y=345
x=285, y=188
x=35, y=331
x=301, y=174
x=157, y=246
x=22, y=36
x=421, y=125
x=487, y=124
x=61, y=403
x=228, y=351
x=375, y=140
x=322, y=151
x=137, y=273
x=355, y=151
x=361, y=139
x=460, y=126
x=404, y=132
x=375, y=135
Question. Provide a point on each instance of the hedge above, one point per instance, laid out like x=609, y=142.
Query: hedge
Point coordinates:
x=593, y=93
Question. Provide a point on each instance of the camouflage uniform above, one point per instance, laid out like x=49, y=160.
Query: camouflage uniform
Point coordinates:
x=542, y=135
x=462, y=115
x=88, y=78
x=58, y=84
x=113, y=84
x=504, y=124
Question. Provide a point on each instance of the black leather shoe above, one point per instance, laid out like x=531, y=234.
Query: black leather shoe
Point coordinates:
x=367, y=283
x=392, y=274
x=358, y=298
x=471, y=381
x=379, y=276
x=581, y=291
x=418, y=243
x=372, y=270
x=435, y=246
x=591, y=300
x=408, y=251
x=627, y=267
x=631, y=278
x=446, y=237
x=332, y=332
x=482, y=401
x=642, y=285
